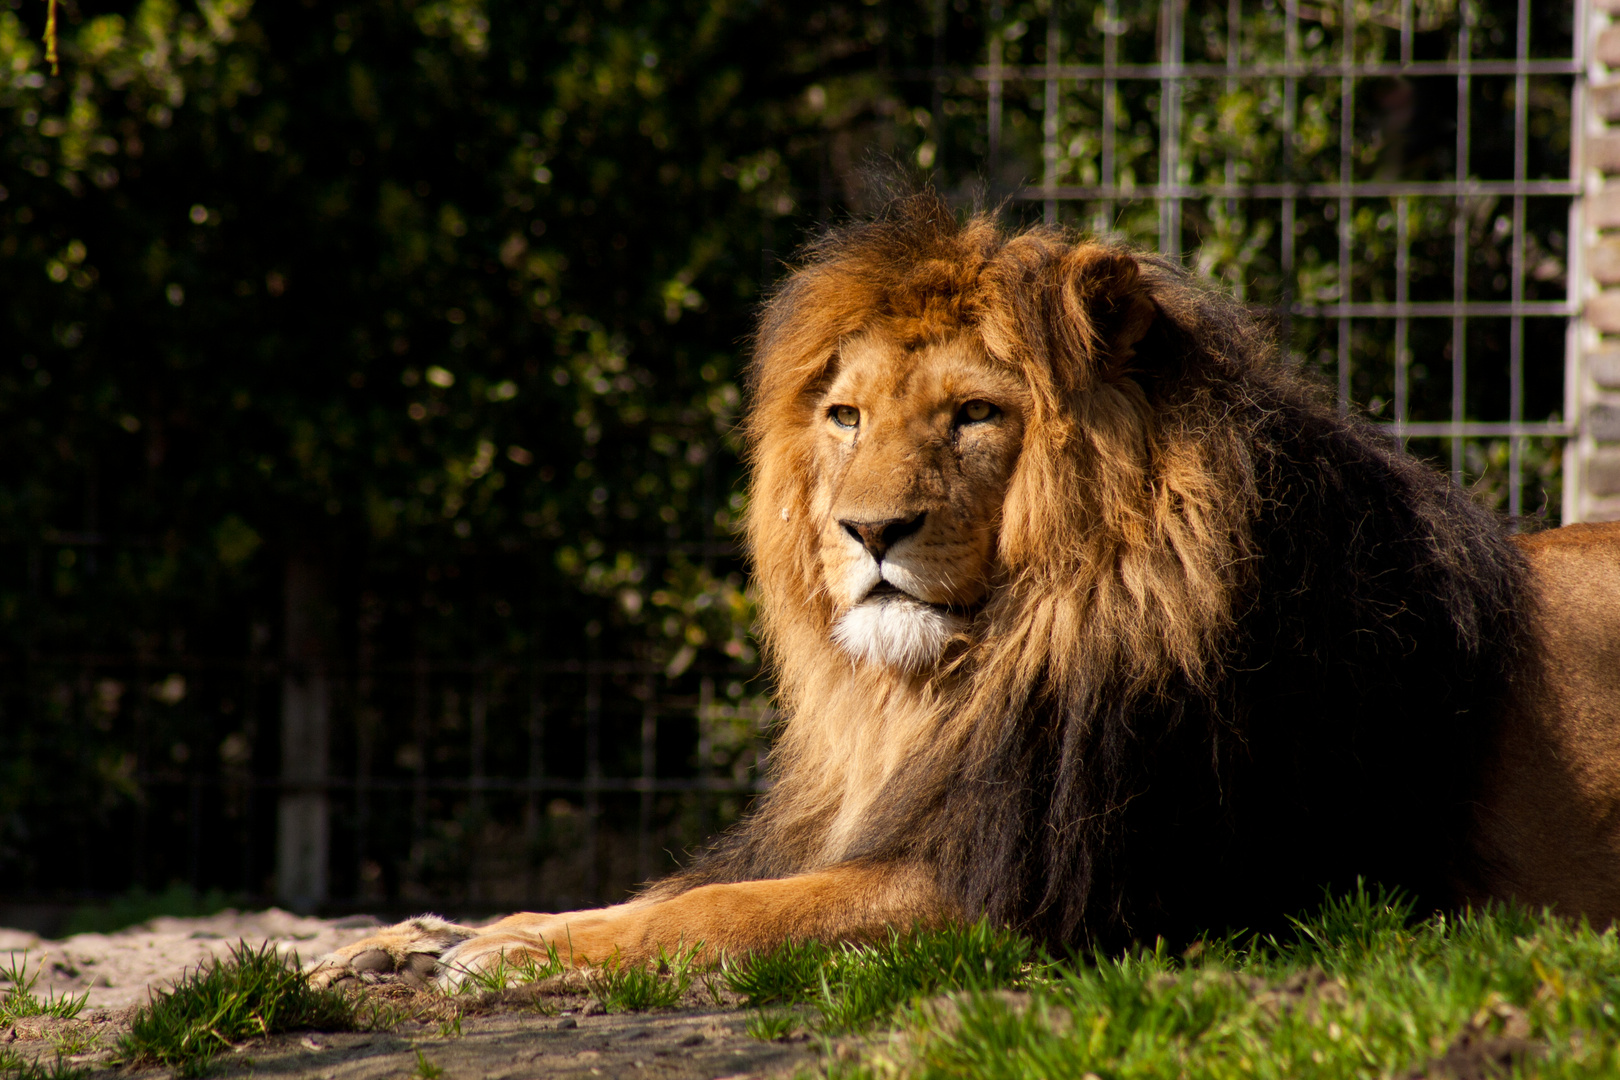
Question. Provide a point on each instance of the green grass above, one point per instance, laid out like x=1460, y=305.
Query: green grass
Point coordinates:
x=220, y=1004
x=855, y=986
x=74, y=1041
x=506, y=972
x=635, y=987
x=1357, y=989
x=19, y=1001
x=425, y=1069
x=769, y=1025
x=13, y=1066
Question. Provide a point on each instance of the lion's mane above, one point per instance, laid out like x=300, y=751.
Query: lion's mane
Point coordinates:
x=1240, y=647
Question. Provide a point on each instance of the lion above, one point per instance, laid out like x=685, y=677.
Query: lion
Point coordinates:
x=1091, y=616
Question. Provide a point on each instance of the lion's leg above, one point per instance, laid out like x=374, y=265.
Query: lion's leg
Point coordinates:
x=851, y=902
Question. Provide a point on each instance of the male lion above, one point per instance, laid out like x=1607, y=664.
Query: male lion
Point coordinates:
x=1091, y=616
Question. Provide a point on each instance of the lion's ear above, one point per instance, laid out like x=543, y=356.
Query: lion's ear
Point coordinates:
x=1078, y=309
x=1106, y=284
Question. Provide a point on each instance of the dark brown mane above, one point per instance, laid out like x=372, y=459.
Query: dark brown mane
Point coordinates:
x=1245, y=648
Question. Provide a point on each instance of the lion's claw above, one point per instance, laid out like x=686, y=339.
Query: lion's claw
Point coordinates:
x=372, y=960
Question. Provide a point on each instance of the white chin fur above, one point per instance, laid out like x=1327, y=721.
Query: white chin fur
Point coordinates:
x=898, y=631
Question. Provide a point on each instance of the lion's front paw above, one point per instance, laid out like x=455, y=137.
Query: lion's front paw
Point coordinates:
x=407, y=952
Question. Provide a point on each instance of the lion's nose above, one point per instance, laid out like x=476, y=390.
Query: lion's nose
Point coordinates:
x=877, y=537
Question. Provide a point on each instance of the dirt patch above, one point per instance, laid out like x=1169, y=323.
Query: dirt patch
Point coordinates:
x=686, y=1044
x=553, y=1031
x=467, y=1039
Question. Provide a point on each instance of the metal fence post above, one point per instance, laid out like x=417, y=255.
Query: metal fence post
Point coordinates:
x=1592, y=460
x=303, y=814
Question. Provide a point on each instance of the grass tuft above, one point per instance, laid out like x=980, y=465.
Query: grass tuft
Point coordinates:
x=855, y=986
x=425, y=1069
x=252, y=993
x=13, y=1066
x=20, y=1001
x=374, y=1013
x=789, y=974
x=772, y=1025
x=1346, y=930
x=506, y=972
x=74, y=1041
x=637, y=987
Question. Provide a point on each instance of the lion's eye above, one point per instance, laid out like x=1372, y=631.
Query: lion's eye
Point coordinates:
x=845, y=415
x=976, y=411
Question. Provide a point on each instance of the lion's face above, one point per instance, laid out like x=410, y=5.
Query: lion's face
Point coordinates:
x=914, y=448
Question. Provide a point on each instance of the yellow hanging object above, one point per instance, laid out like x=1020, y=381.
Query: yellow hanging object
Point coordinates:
x=50, y=36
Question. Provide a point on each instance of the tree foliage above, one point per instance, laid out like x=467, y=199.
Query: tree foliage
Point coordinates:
x=445, y=297
x=396, y=283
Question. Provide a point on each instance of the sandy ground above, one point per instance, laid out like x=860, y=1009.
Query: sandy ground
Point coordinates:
x=489, y=1043
x=511, y=1036
x=117, y=969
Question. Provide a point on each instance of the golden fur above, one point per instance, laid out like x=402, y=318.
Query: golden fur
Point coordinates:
x=1548, y=818
x=1098, y=517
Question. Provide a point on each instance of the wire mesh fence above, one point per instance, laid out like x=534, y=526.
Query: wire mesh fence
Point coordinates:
x=483, y=785
x=1396, y=181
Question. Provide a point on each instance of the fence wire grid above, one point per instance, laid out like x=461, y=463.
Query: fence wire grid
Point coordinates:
x=1395, y=180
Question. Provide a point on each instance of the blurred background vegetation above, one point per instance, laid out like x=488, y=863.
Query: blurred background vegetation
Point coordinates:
x=419, y=324
x=439, y=305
